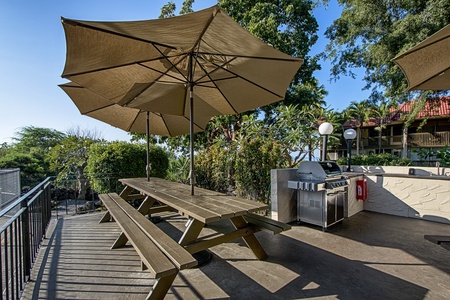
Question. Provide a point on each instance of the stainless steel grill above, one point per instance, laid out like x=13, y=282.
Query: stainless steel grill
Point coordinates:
x=321, y=193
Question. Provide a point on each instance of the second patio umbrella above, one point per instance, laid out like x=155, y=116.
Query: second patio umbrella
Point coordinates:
x=197, y=64
x=427, y=65
x=130, y=119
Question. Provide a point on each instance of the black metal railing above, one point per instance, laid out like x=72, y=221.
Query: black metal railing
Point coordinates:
x=23, y=226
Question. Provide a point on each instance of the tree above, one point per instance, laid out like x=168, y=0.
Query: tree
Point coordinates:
x=31, y=169
x=360, y=112
x=70, y=157
x=31, y=138
x=28, y=152
x=369, y=34
x=381, y=112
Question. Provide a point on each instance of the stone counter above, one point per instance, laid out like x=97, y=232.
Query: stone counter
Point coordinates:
x=416, y=196
x=424, y=197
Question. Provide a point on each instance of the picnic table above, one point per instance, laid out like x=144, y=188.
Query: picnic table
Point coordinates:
x=205, y=207
x=165, y=257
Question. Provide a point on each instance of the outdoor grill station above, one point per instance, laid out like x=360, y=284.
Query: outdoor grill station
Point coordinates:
x=321, y=188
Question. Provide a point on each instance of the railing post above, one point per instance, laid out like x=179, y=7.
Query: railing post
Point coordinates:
x=26, y=239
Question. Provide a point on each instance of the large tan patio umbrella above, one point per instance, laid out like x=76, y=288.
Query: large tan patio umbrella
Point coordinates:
x=198, y=64
x=130, y=119
x=426, y=65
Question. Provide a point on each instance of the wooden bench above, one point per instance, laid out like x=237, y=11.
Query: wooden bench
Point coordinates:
x=265, y=223
x=163, y=256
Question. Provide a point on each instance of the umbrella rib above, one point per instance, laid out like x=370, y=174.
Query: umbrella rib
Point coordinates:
x=238, y=76
x=115, y=66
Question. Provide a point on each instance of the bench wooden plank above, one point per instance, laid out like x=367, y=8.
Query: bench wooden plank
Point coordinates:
x=158, y=264
x=177, y=254
x=267, y=223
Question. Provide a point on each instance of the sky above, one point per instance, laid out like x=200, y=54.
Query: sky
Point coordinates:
x=33, y=53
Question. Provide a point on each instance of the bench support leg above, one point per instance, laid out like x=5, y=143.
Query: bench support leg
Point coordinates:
x=194, y=227
x=146, y=205
x=161, y=287
x=106, y=217
x=251, y=240
x=120, y=241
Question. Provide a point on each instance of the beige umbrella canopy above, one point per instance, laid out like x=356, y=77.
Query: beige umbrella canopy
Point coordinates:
x=130, y=119
x=198, y=64
x=426, y=65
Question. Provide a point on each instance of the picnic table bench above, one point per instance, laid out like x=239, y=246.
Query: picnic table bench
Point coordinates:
x=163, y=256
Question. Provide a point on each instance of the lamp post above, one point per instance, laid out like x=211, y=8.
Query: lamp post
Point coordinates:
x=349, y=136
x=325, y=129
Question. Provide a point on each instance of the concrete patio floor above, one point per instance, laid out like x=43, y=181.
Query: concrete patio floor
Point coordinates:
x=367, y=256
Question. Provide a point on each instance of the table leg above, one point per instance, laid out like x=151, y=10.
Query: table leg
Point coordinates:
x=251, y=240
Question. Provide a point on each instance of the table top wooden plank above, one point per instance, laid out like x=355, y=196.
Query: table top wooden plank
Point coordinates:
x=205, y=205
x=188, y=209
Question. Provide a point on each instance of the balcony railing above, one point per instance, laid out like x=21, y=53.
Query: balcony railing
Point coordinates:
x=24, y=223
x=418, y=140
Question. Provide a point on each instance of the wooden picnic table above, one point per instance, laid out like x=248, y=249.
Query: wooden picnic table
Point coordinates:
x=205, y=207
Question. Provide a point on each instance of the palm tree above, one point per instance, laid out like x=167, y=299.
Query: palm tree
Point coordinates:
x=380, y=113
x=360, y=111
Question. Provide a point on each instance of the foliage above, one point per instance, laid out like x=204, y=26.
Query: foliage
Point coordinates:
x=214, y=168
x=369, y=34
x=30, y=138
x=382, y=159
x=31, y=168
x=178, y=169
x=116, y=160
x=442, y=154
x=254, y=161
x=70, y=157
x=31, y=145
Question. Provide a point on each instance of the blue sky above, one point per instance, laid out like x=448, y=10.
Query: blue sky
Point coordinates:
x=32, y=57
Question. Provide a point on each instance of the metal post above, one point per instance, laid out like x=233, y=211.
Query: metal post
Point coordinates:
x=26, y=239
x=324, y=149
x=191, y=122
x=147, y=131
x=349, y=154
x=191, y=130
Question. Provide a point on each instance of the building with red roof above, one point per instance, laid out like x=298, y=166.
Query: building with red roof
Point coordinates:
x=428, y=130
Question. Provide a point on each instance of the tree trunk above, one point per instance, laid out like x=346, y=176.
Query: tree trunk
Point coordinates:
x=405, y=142
x=358, y=139
x=82, y=182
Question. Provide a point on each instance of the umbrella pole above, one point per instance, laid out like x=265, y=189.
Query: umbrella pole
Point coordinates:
x=191, y=135
x=147, y=131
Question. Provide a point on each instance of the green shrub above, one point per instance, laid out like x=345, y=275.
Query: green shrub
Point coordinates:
x=111, y=161
x=254, y=161
x=214, y=168
x=382, y=159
